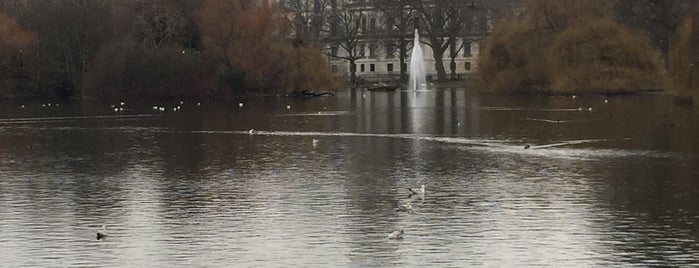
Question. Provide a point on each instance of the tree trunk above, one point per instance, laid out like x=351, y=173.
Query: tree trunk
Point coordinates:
x=403, y=54
x=452, y=68
x=353, y=72
x=439, y=64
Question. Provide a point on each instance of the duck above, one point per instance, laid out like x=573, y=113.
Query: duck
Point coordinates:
x=102, y=233
x=422, y=190
x=398, y=234
x=406, y=207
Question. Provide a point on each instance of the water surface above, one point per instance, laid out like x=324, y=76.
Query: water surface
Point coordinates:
x=602, y=183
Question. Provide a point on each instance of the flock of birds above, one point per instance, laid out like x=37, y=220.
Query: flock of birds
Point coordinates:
x=396, y=235
x=407, y=207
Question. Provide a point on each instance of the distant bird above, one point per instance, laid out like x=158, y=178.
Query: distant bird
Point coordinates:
x=251, y=131
x=398, y=234
x=198, y=103
x=181, y=102
x=122, y=103
x=574, y=96
x=406, y=207
x=22, y=106
x=527, y=146
x=162, y=108
x=589, y=109
x=116, y=109
x=288, y=107
x=606, y=101
x=422, y=190
x=102, y=233
x=315, y=143
x=240, y=104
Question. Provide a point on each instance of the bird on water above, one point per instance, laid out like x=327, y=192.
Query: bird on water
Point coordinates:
x=421, y=190
x=102, y=233
x=398, y=234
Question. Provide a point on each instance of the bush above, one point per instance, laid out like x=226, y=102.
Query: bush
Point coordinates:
x=568, y=46
x=133, y=71
x=684, y=64
x=600, y=55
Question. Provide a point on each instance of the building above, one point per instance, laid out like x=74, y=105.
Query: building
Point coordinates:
x=377, y=36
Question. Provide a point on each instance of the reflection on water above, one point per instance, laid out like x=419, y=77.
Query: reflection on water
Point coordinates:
x=611, y=185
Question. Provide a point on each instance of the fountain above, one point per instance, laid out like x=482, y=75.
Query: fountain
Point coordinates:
x=417, y=66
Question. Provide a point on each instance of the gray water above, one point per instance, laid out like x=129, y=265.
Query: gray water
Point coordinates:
x=616, y=185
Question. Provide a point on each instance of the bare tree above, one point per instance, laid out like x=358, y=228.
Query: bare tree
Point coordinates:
x=440, y=19
x=309, y=19
x=399, y=15
x=346, y=21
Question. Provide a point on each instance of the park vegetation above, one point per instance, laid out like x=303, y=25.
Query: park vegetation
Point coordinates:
x=156, y=49
x=590, y=46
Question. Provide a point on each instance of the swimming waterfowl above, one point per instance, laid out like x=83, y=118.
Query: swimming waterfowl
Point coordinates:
x=406, y=207
x=102, y=233
x=422, y=190
x=398, y=234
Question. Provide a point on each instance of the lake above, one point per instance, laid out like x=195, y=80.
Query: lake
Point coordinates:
x=316, y=183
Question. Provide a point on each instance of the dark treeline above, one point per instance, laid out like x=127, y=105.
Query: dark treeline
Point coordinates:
x=152, y=49
x=594, y=46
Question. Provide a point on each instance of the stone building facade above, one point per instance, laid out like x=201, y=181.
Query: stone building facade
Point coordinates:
x=376, y=51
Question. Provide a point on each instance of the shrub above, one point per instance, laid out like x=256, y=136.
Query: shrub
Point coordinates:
x=133, y=71
x=600, y=55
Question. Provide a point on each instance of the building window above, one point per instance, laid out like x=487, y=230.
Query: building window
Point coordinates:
x=333, y=51
x=372, y=68
x=333, y=68
x=361, y=68
x=360, y=47
x=372, y=50
x=467, y=49
x=363, y=24
x=390, y=50
x=389, y=67
x=467, y=66
x=372, y=24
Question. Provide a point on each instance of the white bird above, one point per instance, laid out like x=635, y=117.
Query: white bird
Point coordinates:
x=574, y=96
x=116, y=109
x=181, y=102
x=102, y=233
x=198, y=103
x=406, y=207
x=398, y=234
x=122, y=103
x=251, y=131
x=315, y=143
x=22, y=106
x=589, y=109
x=288, y=107
x=240, y=104
x=162, y=109
x=606, y=101
x=422, y=190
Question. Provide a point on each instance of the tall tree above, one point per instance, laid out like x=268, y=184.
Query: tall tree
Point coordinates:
x=399, y=15
x=309, y=19
x=251, y=37
x=441, y=20
x=15, y=42
x=348, y=21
